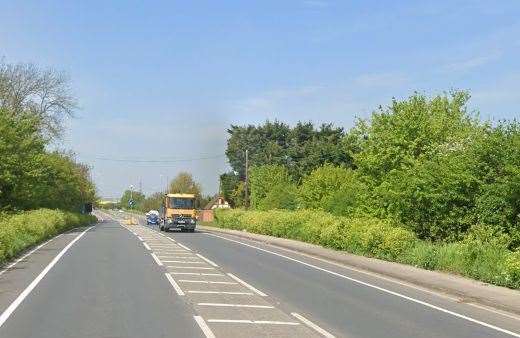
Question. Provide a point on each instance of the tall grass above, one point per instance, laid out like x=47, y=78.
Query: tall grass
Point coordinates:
x=25, y=229
x=482, y=254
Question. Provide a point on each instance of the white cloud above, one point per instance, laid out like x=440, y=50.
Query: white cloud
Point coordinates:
x=471, y=63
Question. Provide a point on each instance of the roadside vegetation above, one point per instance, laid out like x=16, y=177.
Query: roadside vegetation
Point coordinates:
x=423, y=181
x=183, y=183
x=35, y=176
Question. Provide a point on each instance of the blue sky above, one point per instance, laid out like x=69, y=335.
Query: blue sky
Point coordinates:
x=166, y=78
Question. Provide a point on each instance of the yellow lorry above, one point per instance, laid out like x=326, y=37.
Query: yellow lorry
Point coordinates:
x=178, y=212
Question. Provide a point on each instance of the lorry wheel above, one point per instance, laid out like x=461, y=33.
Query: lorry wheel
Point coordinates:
x=161, y=228
x=192, y=230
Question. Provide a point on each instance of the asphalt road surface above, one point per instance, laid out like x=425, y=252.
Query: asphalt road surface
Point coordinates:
x=117, y=280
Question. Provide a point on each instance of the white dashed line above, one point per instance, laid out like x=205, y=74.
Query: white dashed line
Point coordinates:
x=313, y=326
x=176, y=286
x=237, y=305
x=190, y=267
x=250, y=287
x=221, y=292
x=245, y=321
x=147, y=247
x=157, y=260
x=204, y=327
x=196, y=274
x=183, y=262
x=205, y=282
x=207, y=260
x=139, y=238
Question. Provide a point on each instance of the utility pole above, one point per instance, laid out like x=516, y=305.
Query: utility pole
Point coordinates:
x=246, y=204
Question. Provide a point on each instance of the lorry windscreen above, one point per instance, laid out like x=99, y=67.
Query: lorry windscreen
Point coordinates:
x=181, y=203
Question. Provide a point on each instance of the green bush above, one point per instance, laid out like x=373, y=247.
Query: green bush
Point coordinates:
x=22, y=230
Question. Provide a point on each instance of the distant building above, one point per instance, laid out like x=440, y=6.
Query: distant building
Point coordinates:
x=217, y=202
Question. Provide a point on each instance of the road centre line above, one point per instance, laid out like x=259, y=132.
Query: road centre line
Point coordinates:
x=204, y=327
x=14, y=305
x=313, y=326
x=397, y=294
x=176, y=286
x=250, y=287
x=206, y=282
x=246, y=321
x=157, y=260
x=237, y=305
x=207, y=260
x=146, y=246
x=221, y=292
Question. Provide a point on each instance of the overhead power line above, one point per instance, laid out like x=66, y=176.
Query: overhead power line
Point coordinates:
x=171, y=160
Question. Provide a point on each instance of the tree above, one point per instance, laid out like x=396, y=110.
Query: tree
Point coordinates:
x=136, y=196
x=228, y=184
x=152, y=202
x=184, y=183
x=45, y=94
x=263, y=179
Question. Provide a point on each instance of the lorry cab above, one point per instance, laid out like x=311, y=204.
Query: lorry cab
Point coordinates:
x=178, y=212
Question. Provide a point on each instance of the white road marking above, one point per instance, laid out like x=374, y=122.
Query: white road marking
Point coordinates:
x=250, y=287
x=139, y=238
x=174, y=252
x=177, y=256
x=236, y=305
x=190, y=267
x=207, y=260
x=221, y=292
x=176, y=286
x=245, y=321
x=205, y=282
x=183, y=246
x=426, y=304
x=313, y=326
x=196, y=274
x=157, y=260
x=147, y=247
x=183, y=262
x=204, y=327
x=12, y=307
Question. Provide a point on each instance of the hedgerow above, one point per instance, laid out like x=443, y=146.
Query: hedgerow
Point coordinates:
x=25, y=229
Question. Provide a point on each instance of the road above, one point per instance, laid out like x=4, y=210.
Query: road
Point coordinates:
x=117, y=280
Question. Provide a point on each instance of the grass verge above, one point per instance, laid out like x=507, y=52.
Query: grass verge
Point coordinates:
x=481, y=255
x=25, y=229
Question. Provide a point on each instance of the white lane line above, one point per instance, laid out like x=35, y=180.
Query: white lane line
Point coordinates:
x=157, y=260
x=196, y=274
x=12, y=307
x=177, y=256
x=237, y=305
x=147, y=247
x=246, y=321
x=169, y=252
x=206, y=282
x=221, y=292
x=207, y=260
x=27, y=255
x=313, y=326
x=250, y=287
x=189, y=267
x=183, y=262
x=431, y=306
x=176, y=286
x=183, y=246
x=204, y=327
x=139, y=238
